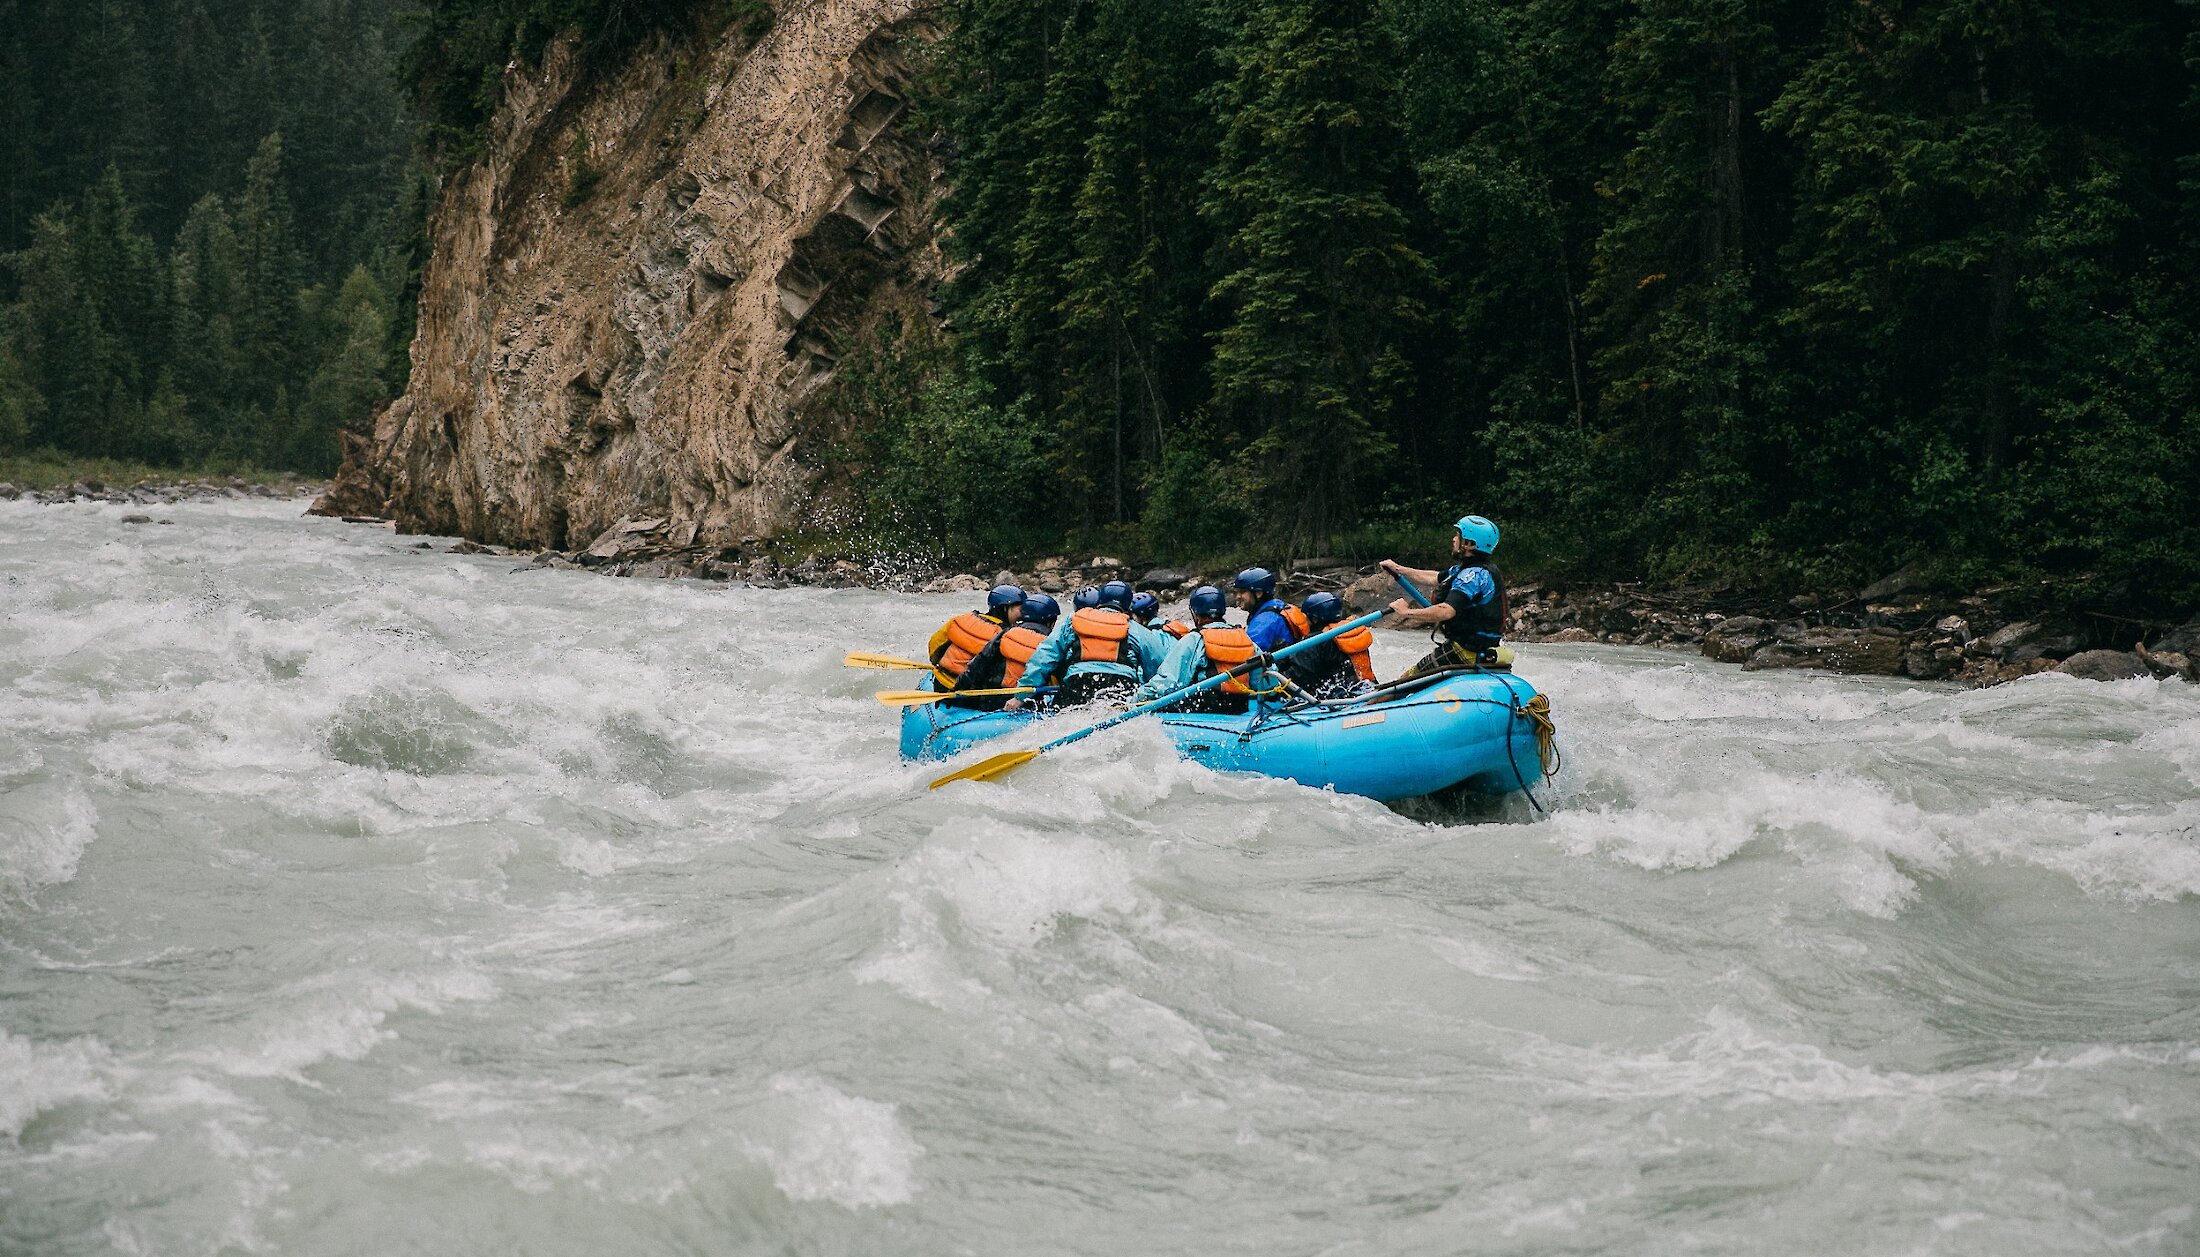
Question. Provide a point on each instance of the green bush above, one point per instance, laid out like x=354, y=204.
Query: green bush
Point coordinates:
x=956, y=472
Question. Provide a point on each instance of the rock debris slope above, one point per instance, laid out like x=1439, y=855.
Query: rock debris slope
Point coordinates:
x=638, y=290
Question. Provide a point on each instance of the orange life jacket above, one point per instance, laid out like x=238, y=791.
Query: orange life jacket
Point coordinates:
x=1227, y=646
x=967, y=634
x=1355, y=646
x=1174, y=628
x=1298, y=622
x=1103, y=636
x=1017, y=646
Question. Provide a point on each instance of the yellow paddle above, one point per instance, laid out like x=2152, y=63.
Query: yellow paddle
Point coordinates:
x=1007, y=762
x=918, y=698
x=885, y=663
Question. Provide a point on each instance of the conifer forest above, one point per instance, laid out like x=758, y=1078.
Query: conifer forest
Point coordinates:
x=1680, y=289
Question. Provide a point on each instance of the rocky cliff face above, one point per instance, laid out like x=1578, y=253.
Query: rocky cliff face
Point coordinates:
x=636, y=295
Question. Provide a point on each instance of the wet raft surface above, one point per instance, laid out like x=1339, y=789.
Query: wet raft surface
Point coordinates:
x=355, y=900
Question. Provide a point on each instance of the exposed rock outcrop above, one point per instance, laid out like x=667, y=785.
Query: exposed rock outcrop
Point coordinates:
x=636, y=293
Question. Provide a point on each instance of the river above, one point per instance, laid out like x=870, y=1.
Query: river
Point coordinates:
x=357, y=899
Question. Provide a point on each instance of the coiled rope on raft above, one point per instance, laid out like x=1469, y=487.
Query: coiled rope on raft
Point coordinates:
x=1537, y=711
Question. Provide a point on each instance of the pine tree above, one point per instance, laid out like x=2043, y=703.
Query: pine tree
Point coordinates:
x=207, y=304
x=68, y=359
x=20, y=404
x=1135, y=272
x=267, y=251
x=1323, y=289
x=1509, y=120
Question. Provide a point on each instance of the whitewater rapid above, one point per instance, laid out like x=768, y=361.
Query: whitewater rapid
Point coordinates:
x=360, y=899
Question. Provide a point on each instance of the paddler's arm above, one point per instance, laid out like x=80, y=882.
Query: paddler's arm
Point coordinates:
x=1421, y=617
x=1153, y=650
x=1426, y=578
x=1175, y=672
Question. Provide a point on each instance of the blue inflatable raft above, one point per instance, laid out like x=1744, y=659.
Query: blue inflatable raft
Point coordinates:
x=1466, y=730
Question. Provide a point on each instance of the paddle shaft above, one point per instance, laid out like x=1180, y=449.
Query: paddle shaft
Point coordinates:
x=917, y=698
x=1220, y=678
x=1413, y=591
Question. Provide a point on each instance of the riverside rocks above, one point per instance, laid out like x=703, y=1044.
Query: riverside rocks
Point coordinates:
x=162, y=492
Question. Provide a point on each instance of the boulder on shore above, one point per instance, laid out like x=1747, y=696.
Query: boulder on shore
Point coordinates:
x=1910, y=579
x=1736, y=638
x=2180, y=641
x=2104, y=665
x=2027, y=640
x=1835, y=649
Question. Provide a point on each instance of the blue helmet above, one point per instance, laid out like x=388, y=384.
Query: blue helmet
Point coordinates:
x=1322, y=609
x=1089, y=596
x=1144, y=606
x=1257, y=579
x=1117, y=594
x=1207, y=603
x=1003, y=597
x=1041, y=609
x=1478, y=530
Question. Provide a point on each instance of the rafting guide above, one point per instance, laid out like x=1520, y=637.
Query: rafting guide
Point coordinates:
x=1469, y=612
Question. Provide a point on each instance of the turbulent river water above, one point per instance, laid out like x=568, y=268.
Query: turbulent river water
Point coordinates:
x=356, y=899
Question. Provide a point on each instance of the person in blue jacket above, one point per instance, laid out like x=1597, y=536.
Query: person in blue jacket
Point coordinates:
x=1097, y=653
x=1467, y=613
x=1269, y=619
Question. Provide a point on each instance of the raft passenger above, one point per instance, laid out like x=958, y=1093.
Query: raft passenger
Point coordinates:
x=960, y=640
x=1146, y=609
x=1339, y=667
x=1098, y=653
x=1001, y=665
x=1468, y=613
x=1271, y=622
x=1213, y=645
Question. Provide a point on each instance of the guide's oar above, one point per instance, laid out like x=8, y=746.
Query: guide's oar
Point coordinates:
x=884, y=663
x=918, y=698
x=1413, y=591
x=1009, y=761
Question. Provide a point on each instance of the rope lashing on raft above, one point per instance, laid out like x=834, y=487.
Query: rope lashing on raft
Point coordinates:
x=1538, y=710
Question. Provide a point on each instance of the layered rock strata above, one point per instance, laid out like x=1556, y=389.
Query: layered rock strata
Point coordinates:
x=636, y=294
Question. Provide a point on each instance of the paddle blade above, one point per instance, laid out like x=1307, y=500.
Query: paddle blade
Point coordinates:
x=990, y=769
x=911, y=698
x=885, y=663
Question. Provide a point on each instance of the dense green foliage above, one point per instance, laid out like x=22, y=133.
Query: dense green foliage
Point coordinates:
x=209, y=226
x=1680, y=288
x=1674, y=287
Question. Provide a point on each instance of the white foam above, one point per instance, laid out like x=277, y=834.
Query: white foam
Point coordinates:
x=35, y=1077
x=339, y=1018
x=538, y=1160
x=1015, y=889
x=44, y=830
x=828, y=1145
